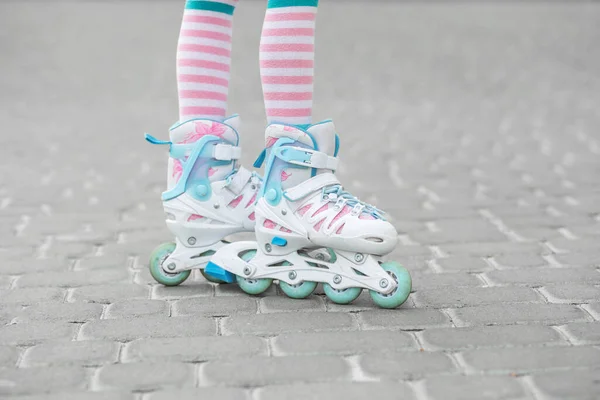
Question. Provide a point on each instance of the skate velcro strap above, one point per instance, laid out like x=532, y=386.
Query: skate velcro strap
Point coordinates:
x=306, y=157
x=239, y=180
x=310, y=186
x=227, y=152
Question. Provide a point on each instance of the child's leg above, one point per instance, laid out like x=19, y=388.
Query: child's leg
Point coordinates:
x=286, y=60
x=204, y=59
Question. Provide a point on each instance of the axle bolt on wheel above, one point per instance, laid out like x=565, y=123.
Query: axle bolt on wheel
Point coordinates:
x=247, y=271
x=320, y=256
x=337, y=279
x=292, y=275
x=192, y=241
x=171, y=267
x=383, y=283
x=268, y=247
x=359, y=257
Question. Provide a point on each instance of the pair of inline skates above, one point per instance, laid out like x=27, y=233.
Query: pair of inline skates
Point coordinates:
x=308, y=229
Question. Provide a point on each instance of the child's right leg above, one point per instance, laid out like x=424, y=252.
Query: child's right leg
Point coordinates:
x=209, y=196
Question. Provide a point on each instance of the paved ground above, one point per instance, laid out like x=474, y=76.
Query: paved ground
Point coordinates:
x=475, y=126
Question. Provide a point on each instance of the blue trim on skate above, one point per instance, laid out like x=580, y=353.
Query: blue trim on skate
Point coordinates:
x=181, y=185
x=272, y=183
x=152, y=140
x=214, y=271
x=277, y=241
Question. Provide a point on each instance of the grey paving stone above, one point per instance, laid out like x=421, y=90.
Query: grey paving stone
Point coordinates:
x=124, y=330
x=286, y=322
x=146, y=376
x=409, y=319
x=31, y=296
x=490, y=249
x=490, y=336
x=579, y=245
x=460, y=231
x=446, y=297
x=195, y=349
x=183, y=291
x=87, y=353
x=520, y=260
x=584, y=333
x=474, y=387
x=66, y=312
x=527, y=359
x=36, y=332
x=343, y=343
x=594, y=309
x=543, y=276
x=107, y=294
x=81, y=395
x=463, y=264
x=221, y=393
x=272, y=304
x=431, y=280
x=74, y=278
x=576, y=384
x=9, y=355
x=518, y=313
x=572, y=293
x=260, y=371
x=346, y=391
x=215, y=306
x=406, y=366
x=137, y=308
x=42, y=380
x=18, y=267
x=586, y=259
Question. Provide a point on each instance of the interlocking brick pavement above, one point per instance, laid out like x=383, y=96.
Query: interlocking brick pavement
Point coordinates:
x=475, y=125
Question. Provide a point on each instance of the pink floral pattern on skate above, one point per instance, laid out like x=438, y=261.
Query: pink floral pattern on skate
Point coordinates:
x=339, y=231
x=270, y=141
x=318, y=224
x=284, y=229
x=252, y=216
x=252, y=200
x=345, y=210
x=301, y=211
x=235, y=202
x=203, y=129
x=284, y=176
x=194, y=217
x=289, y=129
x=320, y=210
x=211, y=171
x=177, y=170
x=269, y=224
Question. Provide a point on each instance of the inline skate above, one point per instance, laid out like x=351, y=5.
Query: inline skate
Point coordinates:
x=309, y=230
x=208, y=197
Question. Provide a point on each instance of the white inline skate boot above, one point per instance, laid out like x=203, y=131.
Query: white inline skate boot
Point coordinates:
x=309, y=230
x=208, y=197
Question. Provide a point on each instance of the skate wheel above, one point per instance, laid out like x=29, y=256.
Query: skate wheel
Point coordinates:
x=398, y=296
x=299, y=291
x=254, y=286
x=158, y=256
x=210, y=278
x=344, y=296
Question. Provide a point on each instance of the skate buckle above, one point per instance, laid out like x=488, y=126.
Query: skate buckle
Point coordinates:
x=277, y=241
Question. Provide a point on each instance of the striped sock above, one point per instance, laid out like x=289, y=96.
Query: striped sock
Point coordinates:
x=204, y=59
x=287, y=53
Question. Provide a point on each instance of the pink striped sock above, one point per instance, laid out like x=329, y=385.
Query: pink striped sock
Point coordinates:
x=287, y=53
x=204, y=59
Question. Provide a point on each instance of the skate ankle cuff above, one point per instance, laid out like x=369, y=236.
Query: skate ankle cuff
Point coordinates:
x=310, y=186
x=306, y=157
x=238, y=181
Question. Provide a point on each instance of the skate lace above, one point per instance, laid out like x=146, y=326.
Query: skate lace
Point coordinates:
x=336, y=194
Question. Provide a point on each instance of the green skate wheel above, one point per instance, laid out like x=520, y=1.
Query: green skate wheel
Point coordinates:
x=344, y=296
x=210, y=278
x=253, y=286
x=400, y=294
x=157, y=258
x=299, y=291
